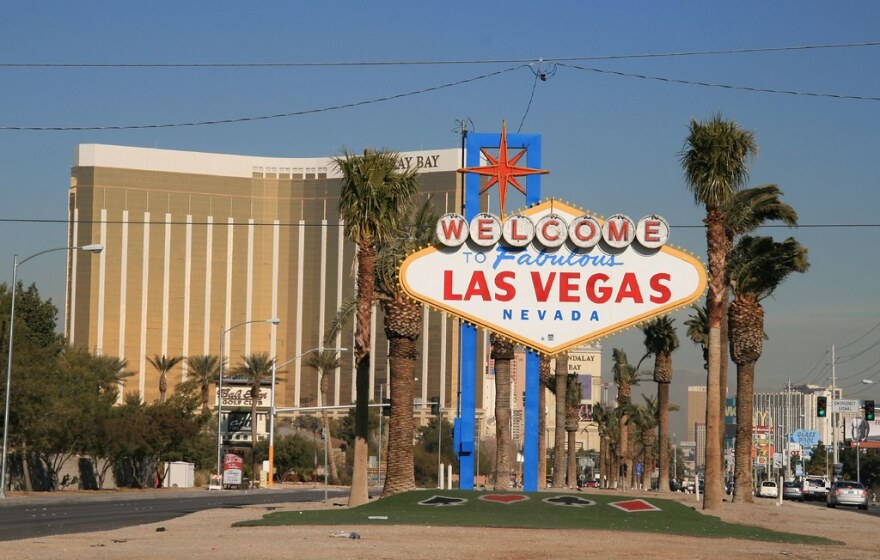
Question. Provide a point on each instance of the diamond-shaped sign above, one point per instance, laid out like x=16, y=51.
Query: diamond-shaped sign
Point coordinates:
x=552, y=298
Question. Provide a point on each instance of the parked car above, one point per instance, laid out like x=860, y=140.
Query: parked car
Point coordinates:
x=768, y=489
x=847, y=493
x=792, y=491
x=592, y=484
x=815, y=488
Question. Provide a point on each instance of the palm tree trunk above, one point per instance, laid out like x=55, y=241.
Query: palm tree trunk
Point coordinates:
x=26, y=468
x=571, y=474
x=723, y=380
x=255, y=395
x=544, y=372
x=204, y=398
x=663, y=436
x=623, y=453
x=542, y=438
x=745, y=386
x=715, y=240
x=503, y=469
x=561, y=379
x=399, y=476
x=163, y=386
x=365, y=273
x=603, y=459
x=325, y=420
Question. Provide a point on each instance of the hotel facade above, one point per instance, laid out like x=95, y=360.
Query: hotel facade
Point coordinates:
x=199, y=244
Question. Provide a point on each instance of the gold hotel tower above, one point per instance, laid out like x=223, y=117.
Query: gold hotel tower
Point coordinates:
x=198, y=242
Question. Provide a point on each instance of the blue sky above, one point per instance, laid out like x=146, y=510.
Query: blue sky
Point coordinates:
x=610, y=142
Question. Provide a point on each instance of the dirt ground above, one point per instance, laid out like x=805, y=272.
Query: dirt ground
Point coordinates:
x=208, y=535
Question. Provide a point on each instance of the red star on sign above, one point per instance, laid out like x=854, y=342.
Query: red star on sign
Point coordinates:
x=503, y=170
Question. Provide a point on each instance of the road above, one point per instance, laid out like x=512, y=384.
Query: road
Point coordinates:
x=29, y=517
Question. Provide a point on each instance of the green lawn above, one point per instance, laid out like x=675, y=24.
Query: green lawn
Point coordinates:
x=674, y=518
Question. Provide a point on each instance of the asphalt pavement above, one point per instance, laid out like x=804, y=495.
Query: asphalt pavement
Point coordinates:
x=38, y=515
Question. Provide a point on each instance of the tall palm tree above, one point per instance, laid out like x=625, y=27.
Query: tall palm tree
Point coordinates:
x=715, y=162
x=573, y=395
x=256, y=369
x=403, y=326
x=559, y=389
x=202, y=371
x=745, y=212
x=163, y=365
x=502, y=353
x=625, y=376
x=324, y=363
x=375, y=196
x=757, y=266
x=661, y=341
x=544, y=380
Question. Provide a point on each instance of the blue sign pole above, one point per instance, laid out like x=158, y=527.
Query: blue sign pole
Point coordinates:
x=464, y=424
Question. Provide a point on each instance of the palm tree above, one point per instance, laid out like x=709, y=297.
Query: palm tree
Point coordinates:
x=757, y=266
x=202, y=371
x=403, y=326
x=715, y=162
x=559, y=390
x=604, y=420
x=573, y=395
x=661, y=341
x=163, y=365
x=625, y=376
x=256, y=369
x=747, y=210
x=544, y=380
x=324, y=363
x=645, y=419
x=502, y=353
x=374, y=199
x=698, y=330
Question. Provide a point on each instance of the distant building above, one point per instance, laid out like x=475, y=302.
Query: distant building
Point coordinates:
x=696, y=421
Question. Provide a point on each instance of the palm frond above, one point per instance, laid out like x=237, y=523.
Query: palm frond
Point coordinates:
x=758, y=265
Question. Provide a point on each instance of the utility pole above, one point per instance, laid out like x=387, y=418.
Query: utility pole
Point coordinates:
x=787, y=457
x=834, y=415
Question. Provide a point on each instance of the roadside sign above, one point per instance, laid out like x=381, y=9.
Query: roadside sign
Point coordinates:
x=806, y=438
x=838, y=469
x=841, y=405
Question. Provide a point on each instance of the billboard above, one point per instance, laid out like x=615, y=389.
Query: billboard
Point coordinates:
x=861, y=430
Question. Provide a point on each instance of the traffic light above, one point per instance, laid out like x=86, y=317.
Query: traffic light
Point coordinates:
x=869, y=411
x=386, y=410
x=435, y=406
x=821, y=407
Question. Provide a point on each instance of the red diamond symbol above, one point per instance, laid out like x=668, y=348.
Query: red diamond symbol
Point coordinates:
x=504, y=498
x=634, y=506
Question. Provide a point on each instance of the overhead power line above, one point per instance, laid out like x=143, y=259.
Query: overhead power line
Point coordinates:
x=267, y=117
x=721, y=86
x=448, y=62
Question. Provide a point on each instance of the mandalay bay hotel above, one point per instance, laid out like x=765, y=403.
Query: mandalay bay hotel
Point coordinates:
x=200, y=244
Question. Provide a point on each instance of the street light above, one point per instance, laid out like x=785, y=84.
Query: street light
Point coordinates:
x=94, y=248
x=272, y=415
x=271, y=321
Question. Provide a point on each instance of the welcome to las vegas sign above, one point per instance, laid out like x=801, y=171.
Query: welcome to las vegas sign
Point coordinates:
x=552, y=277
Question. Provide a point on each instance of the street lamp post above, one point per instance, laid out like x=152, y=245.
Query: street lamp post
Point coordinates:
x=223, y=331
x=272, y=414
x=94, y=248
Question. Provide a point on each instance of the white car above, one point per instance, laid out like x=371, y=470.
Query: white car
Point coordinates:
x=768, y=489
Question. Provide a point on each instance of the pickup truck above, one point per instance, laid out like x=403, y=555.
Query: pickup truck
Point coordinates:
x=815, y=488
